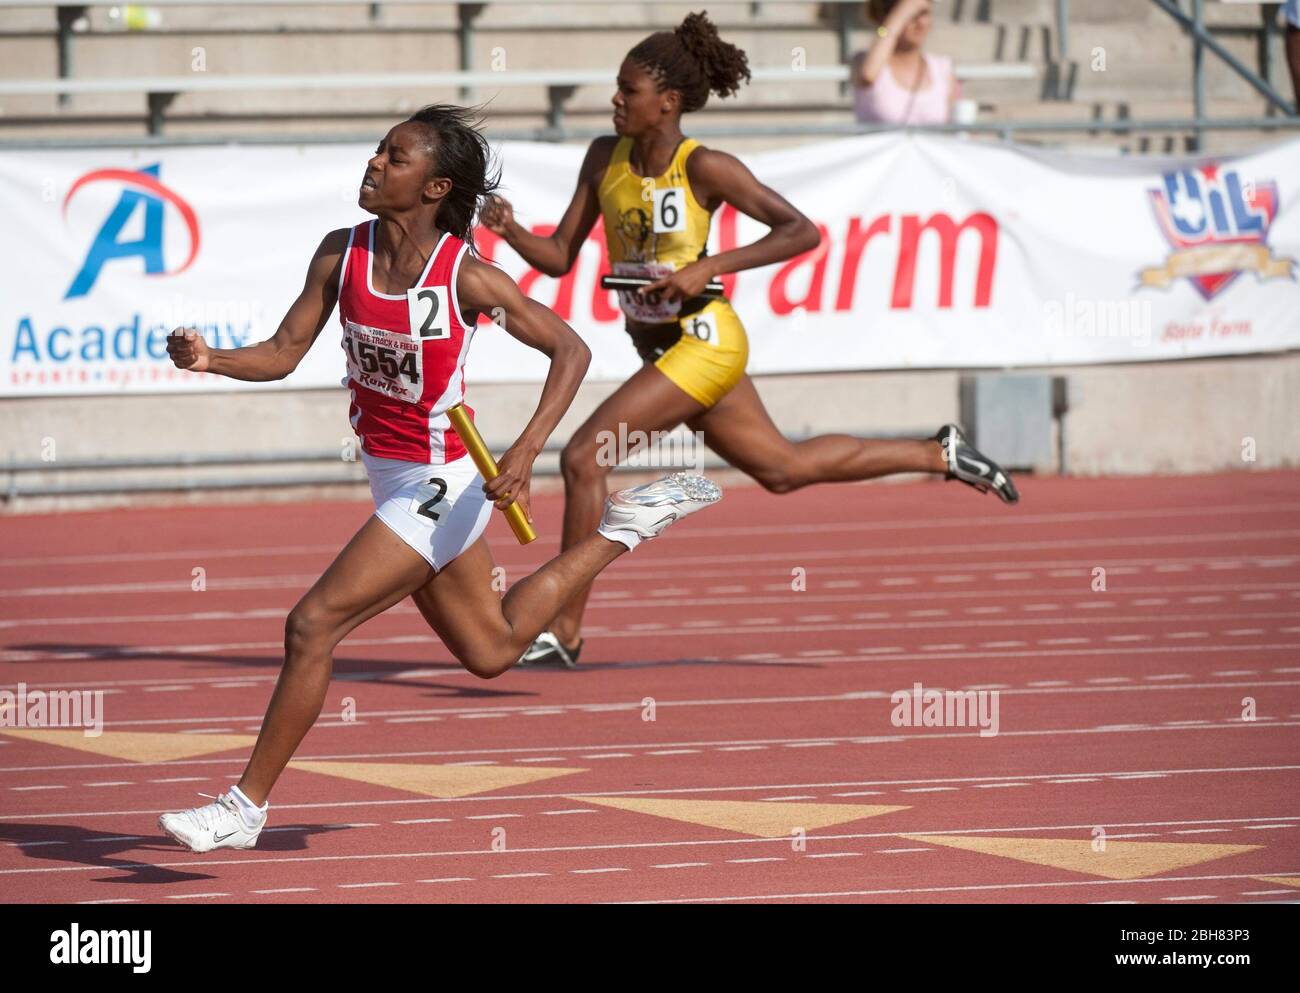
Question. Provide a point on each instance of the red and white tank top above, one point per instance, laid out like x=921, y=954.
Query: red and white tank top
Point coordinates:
x=405, y=353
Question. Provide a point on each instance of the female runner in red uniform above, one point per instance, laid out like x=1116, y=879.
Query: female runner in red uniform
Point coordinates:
x=656, y=191
x=409, y=294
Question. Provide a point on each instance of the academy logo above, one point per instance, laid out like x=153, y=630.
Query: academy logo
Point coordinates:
x=1217, y=225
x=143, y=192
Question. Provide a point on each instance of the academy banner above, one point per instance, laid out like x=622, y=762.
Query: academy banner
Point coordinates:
x=936, y=252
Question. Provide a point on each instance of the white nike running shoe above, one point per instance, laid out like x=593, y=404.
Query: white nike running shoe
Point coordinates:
x=648, y=509
x=216, y=825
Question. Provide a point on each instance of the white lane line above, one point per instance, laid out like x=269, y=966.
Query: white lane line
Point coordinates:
x=520, y=875
x=758, y=897
x=679, y=865
x=285, y=889
x=30, y=789
x=425, y=820
x=769, y=858
x=589, y=872
x=364, y=886
x=929, y=789
x=835, y=855
x=620, y=846
x=765, y=787
x=195, y=896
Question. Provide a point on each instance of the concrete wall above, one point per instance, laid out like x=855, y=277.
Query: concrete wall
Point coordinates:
x=1177, y=417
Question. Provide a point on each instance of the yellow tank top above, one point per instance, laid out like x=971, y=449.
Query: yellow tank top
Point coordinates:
x=653, y=225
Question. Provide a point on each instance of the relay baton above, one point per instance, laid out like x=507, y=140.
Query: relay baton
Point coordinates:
x=487, y=466
x=711, y=289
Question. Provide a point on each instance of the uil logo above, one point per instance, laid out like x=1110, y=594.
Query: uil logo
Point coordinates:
x=142, y=193
x=1218, y=227
x=635, y=230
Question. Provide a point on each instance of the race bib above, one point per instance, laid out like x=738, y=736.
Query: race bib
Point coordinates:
x=670, y=209
x=429, y=314
x=647, y=309
x=702, y=326
x=430, y=500
x=388, y=363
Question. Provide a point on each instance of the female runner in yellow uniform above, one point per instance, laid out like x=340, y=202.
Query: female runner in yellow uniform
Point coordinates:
x=656, y=191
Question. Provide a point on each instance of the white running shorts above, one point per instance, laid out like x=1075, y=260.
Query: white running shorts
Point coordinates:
x=439, y=510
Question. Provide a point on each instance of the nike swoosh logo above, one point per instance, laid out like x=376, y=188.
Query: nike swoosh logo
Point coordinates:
x=983, y=466
x=216, y=838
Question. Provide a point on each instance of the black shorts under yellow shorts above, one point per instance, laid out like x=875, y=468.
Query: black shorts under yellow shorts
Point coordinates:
x=704, y=353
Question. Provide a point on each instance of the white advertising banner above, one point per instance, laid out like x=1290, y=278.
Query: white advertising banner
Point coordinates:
x=936, y=252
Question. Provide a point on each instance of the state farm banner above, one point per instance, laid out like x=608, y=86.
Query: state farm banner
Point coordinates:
x=936, y=252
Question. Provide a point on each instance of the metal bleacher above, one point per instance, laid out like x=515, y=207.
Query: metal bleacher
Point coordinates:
x=183, y=70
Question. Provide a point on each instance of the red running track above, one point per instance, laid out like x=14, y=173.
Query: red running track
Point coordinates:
x=1120, y=712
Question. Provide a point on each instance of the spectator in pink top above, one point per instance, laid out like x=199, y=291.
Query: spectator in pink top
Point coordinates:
x=894, y=82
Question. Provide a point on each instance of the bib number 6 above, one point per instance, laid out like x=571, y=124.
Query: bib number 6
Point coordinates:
x=703, y=327
x=670, y=209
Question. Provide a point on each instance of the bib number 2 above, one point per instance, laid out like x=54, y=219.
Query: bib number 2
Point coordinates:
x=428, y=508
x=429, y=313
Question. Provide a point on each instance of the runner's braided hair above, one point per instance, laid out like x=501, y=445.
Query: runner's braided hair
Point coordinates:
x=693, y=60
x=457, y=150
